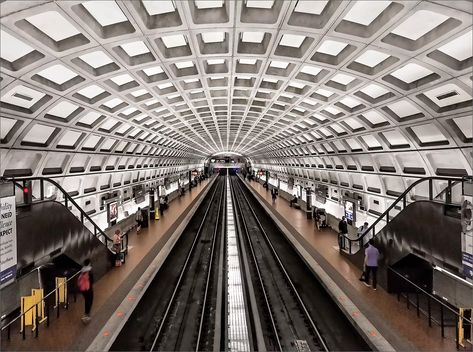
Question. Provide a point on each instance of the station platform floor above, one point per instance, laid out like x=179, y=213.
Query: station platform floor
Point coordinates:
x=400, y=326
x=68, y=333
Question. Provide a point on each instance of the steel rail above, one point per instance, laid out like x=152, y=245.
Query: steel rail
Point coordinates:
x=183, y=271
x=281, y=265
x=209, y=271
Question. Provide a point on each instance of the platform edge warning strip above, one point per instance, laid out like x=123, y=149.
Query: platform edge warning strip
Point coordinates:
x=363, y=325
x=107, y=335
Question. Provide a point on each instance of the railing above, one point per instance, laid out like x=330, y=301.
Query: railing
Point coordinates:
x=427, y=311
x=69, y=201
x=354, y=245
x=37, y=307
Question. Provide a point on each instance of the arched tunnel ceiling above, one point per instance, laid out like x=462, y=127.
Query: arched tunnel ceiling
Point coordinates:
x=273, y=80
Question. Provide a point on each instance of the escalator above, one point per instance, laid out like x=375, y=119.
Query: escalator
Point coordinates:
x=53, y=241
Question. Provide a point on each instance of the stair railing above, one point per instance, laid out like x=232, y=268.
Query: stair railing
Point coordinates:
x=354, y=245
x=68, y=200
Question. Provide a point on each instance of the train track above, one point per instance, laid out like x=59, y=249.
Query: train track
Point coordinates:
x=189, y=317
x=287, y=324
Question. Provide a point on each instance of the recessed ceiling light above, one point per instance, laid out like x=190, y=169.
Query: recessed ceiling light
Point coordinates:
x=342, y=79
x=165, y=85
x=150, y=71
x=11, y=48
x=208, y=4
x=292, y=40
x=365, y=12
x=113, y=103
x=279, y=64
x=459, y=48
x=428, y=133
x=215, y=61
x=122, y=79
x=90, y=118
x=39, y=134
x=310, y=6
x=96, y=59
x=58, y=74
x=311, y=70
x=135, y=48
x=404, y=108
x=371, y=141
x=297, y=85
x=371, y=58
x=159, y=7
x=213, y=37
x=173, y=41
x=331, y=47
x=105, y=12
x=139, y=92
x=411, y=72
x=252, y=37
x=91, y=91
x=350, y=102
x=374, y=90
x=63, y=109
x=419, y=24
x=260, y=4
x=374, y=117
x=247, y=61
x=184, y=64
x=54, y=25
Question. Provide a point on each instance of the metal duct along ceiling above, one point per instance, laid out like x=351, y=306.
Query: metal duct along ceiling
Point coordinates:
x=330, y=90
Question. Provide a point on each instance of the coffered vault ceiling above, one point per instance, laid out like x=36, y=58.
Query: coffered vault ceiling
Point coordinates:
x=284, y=82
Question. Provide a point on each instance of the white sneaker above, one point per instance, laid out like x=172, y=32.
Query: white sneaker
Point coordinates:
x=366, y=284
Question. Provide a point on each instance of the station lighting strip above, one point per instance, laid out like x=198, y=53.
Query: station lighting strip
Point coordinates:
x=238, y=339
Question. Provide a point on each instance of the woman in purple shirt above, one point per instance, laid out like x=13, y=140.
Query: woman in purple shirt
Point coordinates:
x=371, y=263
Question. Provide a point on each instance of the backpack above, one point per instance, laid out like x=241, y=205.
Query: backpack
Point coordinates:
x=83, y=281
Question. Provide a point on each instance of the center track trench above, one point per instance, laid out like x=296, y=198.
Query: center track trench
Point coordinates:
x=297, y=314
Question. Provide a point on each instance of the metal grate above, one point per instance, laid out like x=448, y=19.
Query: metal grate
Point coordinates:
x=238, y=339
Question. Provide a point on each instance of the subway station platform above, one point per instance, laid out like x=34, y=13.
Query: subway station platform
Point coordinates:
x=395, y=322
x=68, y=333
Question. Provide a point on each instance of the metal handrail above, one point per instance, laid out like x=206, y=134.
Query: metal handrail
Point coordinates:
x=41, y=301
x=427, y=293
x=402, y=197
x=67, y=198
x=429, y=314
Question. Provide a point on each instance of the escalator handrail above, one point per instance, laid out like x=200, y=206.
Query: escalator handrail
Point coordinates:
x=371, y=228
x=70, y=199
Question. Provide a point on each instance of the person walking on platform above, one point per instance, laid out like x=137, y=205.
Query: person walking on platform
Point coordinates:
x=371, y=263
x=139, y=220
x=273, y=194
x=343, y=231
x=85, y=283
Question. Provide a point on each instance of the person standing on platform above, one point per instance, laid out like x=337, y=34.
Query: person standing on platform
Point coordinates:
x=117, y=247
x=343, y=231
x=139, y=220
x=273, y=194
x=371, y=263
x=85, y=283
x=162, y=204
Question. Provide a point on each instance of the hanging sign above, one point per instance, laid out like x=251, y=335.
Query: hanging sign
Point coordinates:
x=8, y=249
